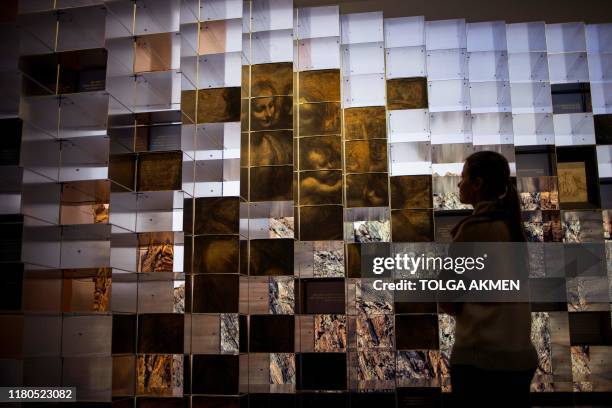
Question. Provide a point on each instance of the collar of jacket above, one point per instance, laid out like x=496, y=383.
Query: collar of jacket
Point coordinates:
x=486, y=206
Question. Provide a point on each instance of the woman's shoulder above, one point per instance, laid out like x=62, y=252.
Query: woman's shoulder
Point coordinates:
x=476, y=228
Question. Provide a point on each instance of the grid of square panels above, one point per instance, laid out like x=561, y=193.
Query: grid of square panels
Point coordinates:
x=195, y=182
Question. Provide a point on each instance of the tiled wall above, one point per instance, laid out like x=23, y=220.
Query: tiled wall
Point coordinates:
x=188, y=186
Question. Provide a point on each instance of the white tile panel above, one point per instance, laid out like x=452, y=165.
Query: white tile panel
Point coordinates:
x=450, y=127
x=363, y=90
x=604, y=160
x=410, y=158
x=272, y=46
x=568, y=67
x=526, y=37
x=220, y=9
x=486, y=36
x=534, y=97
x=363, y=58
x=404, y=32
x=531, y=129
x=445, y=34
x=491, y=96
x=565, y=37
x=452, y=95
x=601, y=97
x=318, y=53
x=220, y=70
x=362, y=27
x=492, y=128
x=317, y=22
x=271, y=15
x=600, y=67
x=408, y=125
x=528, y=66
x=574, y=129
x=405, y=62
x=599, y=38
x=488, y=66
x=447, y=64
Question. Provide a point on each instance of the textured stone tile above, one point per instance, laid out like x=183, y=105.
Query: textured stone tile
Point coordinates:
x=330, y=333
x=229, y=333
x=282, y=368
x=375, y=332
x=328, y=259
x=281, y=227
x=281, y=295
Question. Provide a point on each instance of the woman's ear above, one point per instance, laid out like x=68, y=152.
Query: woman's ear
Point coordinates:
x=477, y=184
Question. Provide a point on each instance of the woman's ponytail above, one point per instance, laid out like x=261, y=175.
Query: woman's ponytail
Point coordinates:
x=512, y=205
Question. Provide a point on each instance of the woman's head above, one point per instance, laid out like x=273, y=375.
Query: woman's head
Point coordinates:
x=485, y=177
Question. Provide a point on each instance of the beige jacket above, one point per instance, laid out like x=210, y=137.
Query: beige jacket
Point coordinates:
x=494, y=336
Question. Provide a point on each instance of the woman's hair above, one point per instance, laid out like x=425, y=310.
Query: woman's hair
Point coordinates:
x=494, y=171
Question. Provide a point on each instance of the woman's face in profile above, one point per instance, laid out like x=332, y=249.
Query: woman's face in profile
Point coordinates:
x=264, y=110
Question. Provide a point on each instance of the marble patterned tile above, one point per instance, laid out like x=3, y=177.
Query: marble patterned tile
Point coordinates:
x=370, y=301
x=100, y=212
x=416, y=249
x=102, y=290
x=446, y=332
x=330, y=332
x=537, y=266
x=373, y=366
x=551, y=226
x=328, y=259
x=549, y=200
x=179, y=297
x=448, y=201
x=282, y=368
x=540, y=337
x=375, y=332
x=533, y=224
x=581, y=371
x=177, y=373
x=607, y=223
x=281, y=227
x=530, y=201
x=419, y=368
x=582, y=226
x=588, y=293
x=159, y=374
x=372, y=231
x=229, y=333
x=156, y=258
x=281, y=295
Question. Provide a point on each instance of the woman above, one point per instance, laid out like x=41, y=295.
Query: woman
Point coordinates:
x=493, y=359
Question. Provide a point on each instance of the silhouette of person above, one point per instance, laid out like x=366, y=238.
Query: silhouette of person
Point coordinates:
x=493, y=359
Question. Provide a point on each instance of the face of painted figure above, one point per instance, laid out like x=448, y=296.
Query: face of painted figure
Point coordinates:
x=265, y=111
